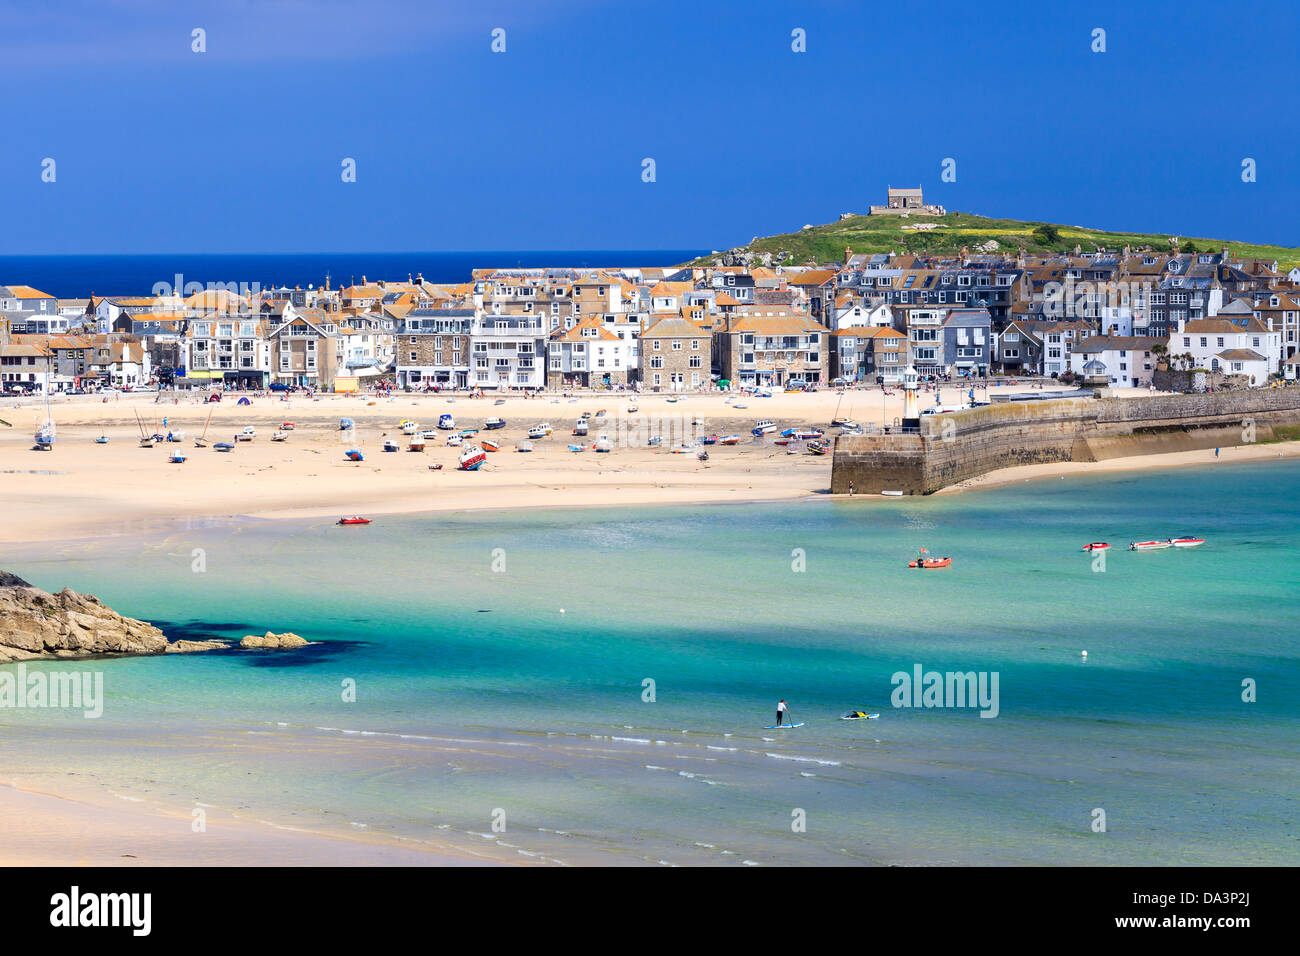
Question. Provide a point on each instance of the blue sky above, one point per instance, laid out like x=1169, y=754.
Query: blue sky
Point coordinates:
x=238, y=149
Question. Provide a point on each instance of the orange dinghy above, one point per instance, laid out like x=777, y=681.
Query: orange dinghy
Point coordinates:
x=930, y=563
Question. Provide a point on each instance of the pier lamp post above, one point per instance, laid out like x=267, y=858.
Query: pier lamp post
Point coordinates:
x=911, y=414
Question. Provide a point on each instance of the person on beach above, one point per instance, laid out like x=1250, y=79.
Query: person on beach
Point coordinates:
x=1216, y=453
x=781, y=711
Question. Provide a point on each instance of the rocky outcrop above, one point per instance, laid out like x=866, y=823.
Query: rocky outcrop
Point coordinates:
x=269, y=641
x=36, y=624
x=195, y=647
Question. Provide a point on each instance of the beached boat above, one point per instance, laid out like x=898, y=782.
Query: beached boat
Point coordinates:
x=577, y=448
x=709, y=440
x=1096, y=546
x=729, y=440
x=494, y=423
x=1149, y=545
x=603, y=444
x=415, y=444
x=702, y=455
x=580, y=428
x=816, y=447
x=655, y=440
x=1187, y=542
x=472, y=458
x=446, y=422
x=354, y=519
x=287, y=426
x=489, y=445
x=892, y=493
x=148, y=441
x=632, y=408
x=224, y=446
x=346, y=424
x=524, y=446
x=101, y=440
x=600, y=413
x=499, y=401
x=409, y=427
x=248, y=434
x=930, y=563
x=539, y=431
x=279, y=435
x=672, y=400
x=455, y=441
x=353, y=454
x=803, y=434
x=177, y=459
x=390, y=445
x=468, y=432
x=740, y=405
x=843, y=423
x=765, y=427
x=436, y=467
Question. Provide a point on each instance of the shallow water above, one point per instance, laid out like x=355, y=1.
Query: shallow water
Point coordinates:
x=499, y=662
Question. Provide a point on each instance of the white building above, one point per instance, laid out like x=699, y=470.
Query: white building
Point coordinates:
x=1246, y=348
x=1126, y=360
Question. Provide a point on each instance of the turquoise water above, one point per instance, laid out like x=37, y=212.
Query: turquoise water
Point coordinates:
x=520, y=688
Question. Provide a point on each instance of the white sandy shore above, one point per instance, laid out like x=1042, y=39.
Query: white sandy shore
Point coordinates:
x=75, y=828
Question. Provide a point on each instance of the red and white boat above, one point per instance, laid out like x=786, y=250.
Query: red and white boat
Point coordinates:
x=1148, y=545
x=729, y=440
x=1187, y=542
x=286, y=426
x=1096, y=546
x=489, y=445
x=355, y=519
x=472, y=457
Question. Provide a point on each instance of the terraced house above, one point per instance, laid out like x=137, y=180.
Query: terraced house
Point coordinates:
x=433, y=348
x=771, y=347
x=304, y=349
x=227, y=349
x=676, y=354
x=591, y=354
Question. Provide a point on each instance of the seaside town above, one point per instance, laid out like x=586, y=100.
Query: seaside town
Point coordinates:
x=1110, y=317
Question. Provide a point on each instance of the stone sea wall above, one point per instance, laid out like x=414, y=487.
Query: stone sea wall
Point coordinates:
x=952, y=448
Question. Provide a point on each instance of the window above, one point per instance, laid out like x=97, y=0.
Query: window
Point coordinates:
x=677, y=345
x=412, y=358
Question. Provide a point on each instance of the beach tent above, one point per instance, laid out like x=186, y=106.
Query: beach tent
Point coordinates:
x=244, y=401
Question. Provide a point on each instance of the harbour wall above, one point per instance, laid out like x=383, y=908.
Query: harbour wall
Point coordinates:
x=952, y=448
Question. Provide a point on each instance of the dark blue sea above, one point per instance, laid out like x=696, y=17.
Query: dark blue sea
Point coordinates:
x=72, y=277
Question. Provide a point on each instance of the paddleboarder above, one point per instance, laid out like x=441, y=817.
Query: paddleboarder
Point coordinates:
x=781, y=711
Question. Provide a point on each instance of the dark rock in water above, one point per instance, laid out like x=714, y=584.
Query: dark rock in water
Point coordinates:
x=8, y=580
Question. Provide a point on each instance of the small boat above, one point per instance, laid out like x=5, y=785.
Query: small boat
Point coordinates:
x=580, y=428
x=843, y=423
x=436, y=467
x=346, y=424
x=709, y=439
x=499, y=401
x=585, y=416
x=446, y=422
x=673, y=399
x=177, y=459
x=1149, y=545
x=416, y=444
x=576, y=448
x=148, y=441
x=472, y=458
x=601, y=413
x=224, y=446
x=740, y=405
x=287, y=426
x=468, y=432
x=803, y=434
x=248, y=434
x=697, y=422
x=682, y=450
x=489, y=445
x=539, y=431
x=816, y=447
x=930, y=563
x=892, y=493
x=762, y=393
x=1187, y=542
x=782, y=441
x=353, y=454
x=455, y=441
x=729, y=440
x=632, y=408
x=603, y=444
x=354, y=519
x=390, y=445
x=101, y=440
x=279, y=435
x=408, y=427
x=524, y=446
x=1096, y=546
x=655, y=440
x=765, y=427
x=494, y=423
x=429, y=434
x=702, y=455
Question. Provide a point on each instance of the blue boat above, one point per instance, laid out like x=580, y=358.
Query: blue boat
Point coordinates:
x=353, y=454
x=224, y=446
x=346, y=424
x=446, y=421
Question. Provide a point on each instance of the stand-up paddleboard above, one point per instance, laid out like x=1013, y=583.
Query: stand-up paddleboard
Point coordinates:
x=782, y=726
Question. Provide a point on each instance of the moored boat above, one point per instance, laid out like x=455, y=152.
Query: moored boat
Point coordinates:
x=765, y=427
x=1187, y=542
x=354, y=519
x=177, y=459
x=580, y=428
x=415, y=444
x=603, y=443
x=390, y=445
x=489, y=445
x=930, y=563
x=524, y=446
x=353, y=454
x=1096, y=546
x=219, y=446
x=454, y=441
x=280, y=435
x=408, y=427
x=446, y=421
x=1148, y=545
x=472, y=458
x=729, y=440
x=816, y=447
x=494, y=423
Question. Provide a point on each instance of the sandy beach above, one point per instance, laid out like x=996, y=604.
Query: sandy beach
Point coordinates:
x=82, y=488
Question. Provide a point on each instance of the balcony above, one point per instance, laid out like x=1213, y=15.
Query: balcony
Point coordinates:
x=515, y=330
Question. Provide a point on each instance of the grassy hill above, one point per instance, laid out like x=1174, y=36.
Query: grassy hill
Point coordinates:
x=826, y=243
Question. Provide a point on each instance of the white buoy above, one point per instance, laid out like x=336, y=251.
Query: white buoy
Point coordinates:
x=561, y=610
x=1085, y=653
